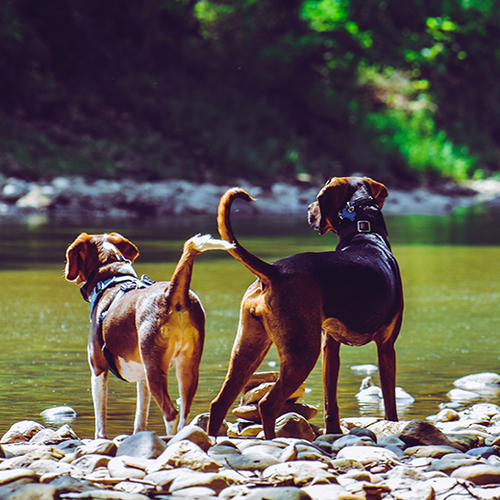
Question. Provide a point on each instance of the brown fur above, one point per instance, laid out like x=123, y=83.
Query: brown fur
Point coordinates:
x=352, y=295
x=145, y=331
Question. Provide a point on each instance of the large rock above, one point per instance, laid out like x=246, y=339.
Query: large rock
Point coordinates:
x=184, y=454
x=294, y=425
x=419, y=432
x=21, y=431
x=299, y=473
x=144, y=444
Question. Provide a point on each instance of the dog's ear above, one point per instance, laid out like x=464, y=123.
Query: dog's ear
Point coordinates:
x=331, y=199
x=74, y=260
x=126, y=247
x=379, y=191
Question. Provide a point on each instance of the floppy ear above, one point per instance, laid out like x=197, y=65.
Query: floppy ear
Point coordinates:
x=331, y=199
x=126, y=247
x=379, y=191
x=73, y=257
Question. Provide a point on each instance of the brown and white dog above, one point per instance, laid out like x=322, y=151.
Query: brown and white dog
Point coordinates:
x=140, y=328
x=352, y=295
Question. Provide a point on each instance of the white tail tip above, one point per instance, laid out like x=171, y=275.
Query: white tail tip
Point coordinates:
x=205, y=242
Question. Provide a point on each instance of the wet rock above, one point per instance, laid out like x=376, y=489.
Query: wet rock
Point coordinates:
x=276, y=493
x=184, y=454
x=257, y=393
x=484, y=452
x=451, y=462
x=59, y=415
x=433, y=451
x=368, y=455
x=34, y=492
x=253, y=458
x=145, y=444
x=125, y=467
x=21, y=431
x=351, y=440
x=360, y=431
x=201, y=421
x=216, y=482
x=419, y=432
x=294, y=425
x=298, y=473
x=478, y=474
x=447, y=415
x=97, y=447
x=194, y=434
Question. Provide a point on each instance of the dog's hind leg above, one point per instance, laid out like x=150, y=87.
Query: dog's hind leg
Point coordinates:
x=142, y=409
x=250, y=347
x=187, y=371
x=331, y=367
x=295, y=366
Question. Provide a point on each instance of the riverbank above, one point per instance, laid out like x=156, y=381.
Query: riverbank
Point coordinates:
x=65, y=197
x=450, y=456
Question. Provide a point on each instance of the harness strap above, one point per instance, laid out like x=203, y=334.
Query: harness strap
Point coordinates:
x=128, y=283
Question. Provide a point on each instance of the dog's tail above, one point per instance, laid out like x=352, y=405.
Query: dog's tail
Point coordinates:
x=260, y=268
x=181, y=279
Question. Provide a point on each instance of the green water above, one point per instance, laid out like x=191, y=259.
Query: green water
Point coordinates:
x=451, y=274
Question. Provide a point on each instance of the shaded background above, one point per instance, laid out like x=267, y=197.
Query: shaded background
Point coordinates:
x=256, y=89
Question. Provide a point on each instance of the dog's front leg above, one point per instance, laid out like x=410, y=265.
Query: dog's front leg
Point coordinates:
x=331, y=368
x=387, y=372
x=142, y=409
x=99, y=385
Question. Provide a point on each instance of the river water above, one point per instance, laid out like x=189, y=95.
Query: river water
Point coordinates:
x=451, y=275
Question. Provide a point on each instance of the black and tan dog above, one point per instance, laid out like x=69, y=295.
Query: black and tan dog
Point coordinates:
x=140, y=328
x=353, y=295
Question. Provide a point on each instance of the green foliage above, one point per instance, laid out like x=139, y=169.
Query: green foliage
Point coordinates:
x=217, y=89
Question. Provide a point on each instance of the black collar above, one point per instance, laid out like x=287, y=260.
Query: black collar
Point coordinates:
x=354, y=219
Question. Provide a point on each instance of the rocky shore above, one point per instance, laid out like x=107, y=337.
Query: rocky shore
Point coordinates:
x=450, y=457
x=78, y=197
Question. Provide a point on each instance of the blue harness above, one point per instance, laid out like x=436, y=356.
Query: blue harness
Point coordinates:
x=127, y=283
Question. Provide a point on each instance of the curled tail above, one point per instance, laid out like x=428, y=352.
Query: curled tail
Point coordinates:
x=178, y=290
x=261, y=269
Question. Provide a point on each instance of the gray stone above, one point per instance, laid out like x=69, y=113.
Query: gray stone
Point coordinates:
x=194, y=434
x=120, y=467
x=298, y=473
x=97, y=447
x=294, y=425
x=21, y=431
x=429, y=451
x=144, y=444
x=33, y=492
x=88, y=463
x=367, y=455
x=419, y=432
x=277, y=493
x=216, y=482
x=8, y=476
x=328, y=492
x=351, y=440
x=450, y=463
x=252, y=458
x=201, y=421
x=478, y=474
x=184, y=454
